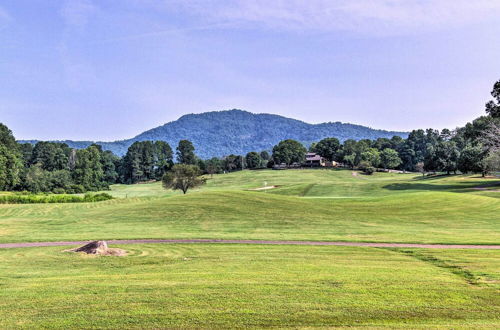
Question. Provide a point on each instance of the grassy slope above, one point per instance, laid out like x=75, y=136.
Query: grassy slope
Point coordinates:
x=308, y=205
x=231, y=286
x=244, y=286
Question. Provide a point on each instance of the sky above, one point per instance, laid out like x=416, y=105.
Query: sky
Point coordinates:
x=110, y=69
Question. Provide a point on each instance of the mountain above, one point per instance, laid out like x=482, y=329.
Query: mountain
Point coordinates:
x=220, y=133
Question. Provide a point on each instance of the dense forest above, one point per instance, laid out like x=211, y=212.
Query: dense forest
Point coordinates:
x=220, y=133
x=58, y=168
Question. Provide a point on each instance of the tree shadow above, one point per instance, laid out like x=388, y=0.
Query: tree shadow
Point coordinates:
x=453, y=187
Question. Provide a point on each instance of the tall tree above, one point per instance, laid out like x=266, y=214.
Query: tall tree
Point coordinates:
x=447, y=155
x=233, y=163
x=472, y=160
x=88, y=169
x=327, y=148
x=493, y=107
x=265, y=155
x=11, y=162
x=371, y=157
x=213, y=166
x=185, y=152
x=289, y=152
x=163, y=158
x=253, y=160
x=389, y=158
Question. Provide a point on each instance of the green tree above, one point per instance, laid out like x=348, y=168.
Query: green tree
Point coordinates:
x=110, y=163
x=146, y=161
x=35, y=179
x=213, y=166
x=382, y=143
x=472, y=159
x=327, y=148
x=253, y=160
x=185, y=152
x=350, y=160
x=163, y=158
x=51, y=156
x=233, y=163
x=26, y=150
x=389, y=158
x=265, y=156
x=493, y=107
x=183, y=177
x=372, y=157
x=447, y=155
x=88, y=170
x=289, y=152
x=11, y=162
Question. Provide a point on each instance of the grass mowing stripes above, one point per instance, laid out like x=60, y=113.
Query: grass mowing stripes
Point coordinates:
x=238, y=286
x=335, y=208
x=248, y=286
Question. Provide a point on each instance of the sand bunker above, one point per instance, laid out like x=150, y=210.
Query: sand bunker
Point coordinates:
x=265, y=188
x=99, y=248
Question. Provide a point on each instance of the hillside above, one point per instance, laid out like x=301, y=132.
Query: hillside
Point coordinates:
x=221, y=133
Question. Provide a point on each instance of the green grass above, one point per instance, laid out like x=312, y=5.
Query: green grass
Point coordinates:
x=236, y=286
x=53, y=198
x=308, y=205
x=249, y=286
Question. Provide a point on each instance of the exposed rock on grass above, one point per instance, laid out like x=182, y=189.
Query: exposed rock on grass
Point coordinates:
x=99, y=248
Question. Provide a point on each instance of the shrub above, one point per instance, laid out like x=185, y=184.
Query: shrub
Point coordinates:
x=369, y=170
x=77, y=188
x=33, y=199
x=58, y=191
x=97, y=197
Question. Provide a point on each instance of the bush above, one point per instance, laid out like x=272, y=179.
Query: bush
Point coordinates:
x=369, y=170
x=97, y=197
x=77, y=188
x=58, y=191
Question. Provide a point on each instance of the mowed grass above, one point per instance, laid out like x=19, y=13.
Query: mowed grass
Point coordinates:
x=307, y=205
x=244, y=286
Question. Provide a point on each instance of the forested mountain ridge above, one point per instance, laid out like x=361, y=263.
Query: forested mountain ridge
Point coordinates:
x=221, y=133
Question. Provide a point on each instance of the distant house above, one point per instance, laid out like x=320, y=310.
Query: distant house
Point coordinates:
x=314, y=160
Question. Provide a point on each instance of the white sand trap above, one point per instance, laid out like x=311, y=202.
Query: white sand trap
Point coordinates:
x=265, y=188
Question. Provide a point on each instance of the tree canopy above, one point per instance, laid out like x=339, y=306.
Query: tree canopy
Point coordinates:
x=183, y=177
x=185, y=152
x=289, y=152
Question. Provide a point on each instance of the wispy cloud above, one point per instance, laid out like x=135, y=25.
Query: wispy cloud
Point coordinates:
x=372, y=16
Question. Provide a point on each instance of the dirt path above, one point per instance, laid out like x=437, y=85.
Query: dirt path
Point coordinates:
x=262, y=242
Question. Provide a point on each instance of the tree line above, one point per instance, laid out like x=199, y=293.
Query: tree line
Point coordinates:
x=55, y=167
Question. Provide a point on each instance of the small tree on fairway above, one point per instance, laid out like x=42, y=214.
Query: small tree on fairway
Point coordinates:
x=183, y=177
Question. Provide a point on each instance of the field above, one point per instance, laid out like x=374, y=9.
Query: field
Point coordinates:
x=307, y=205
x=236, y=286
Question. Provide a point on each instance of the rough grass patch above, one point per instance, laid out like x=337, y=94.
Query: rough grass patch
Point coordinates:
x=42, y=199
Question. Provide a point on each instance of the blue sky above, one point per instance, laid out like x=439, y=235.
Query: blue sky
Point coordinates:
x=108, y=69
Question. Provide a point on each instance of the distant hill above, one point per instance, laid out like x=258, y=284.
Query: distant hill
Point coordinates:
x=220, y=133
